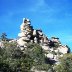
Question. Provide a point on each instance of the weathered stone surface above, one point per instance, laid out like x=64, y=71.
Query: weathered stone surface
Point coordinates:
x=34, y=32
x=50, y=55
x=21, y=42
x=63, y=49
x=35, y=40
x=45, y=47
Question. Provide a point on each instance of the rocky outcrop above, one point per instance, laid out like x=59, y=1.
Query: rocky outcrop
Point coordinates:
x=52, y=46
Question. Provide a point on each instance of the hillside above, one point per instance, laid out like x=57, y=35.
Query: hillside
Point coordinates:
x=34, y=47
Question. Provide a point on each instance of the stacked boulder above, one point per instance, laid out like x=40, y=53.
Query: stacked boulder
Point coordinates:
x=26, y=33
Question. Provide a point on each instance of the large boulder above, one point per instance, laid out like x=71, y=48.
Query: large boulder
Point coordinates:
x=63, y=49
x=21, y=42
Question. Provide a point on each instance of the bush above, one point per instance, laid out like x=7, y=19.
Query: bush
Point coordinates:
x=65, y=64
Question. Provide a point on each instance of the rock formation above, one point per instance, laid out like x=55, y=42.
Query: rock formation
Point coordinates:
x=26, y=33
x=52, y=46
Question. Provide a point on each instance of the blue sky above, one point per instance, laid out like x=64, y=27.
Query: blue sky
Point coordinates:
x=54, y=17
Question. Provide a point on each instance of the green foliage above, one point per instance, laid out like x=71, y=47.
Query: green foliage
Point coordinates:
x=11, y=56
x=4, y=67
x=44, y=67
x=65, y=64
x=36, y=53
x=12, y=59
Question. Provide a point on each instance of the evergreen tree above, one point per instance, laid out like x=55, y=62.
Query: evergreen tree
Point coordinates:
x=3, y=37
